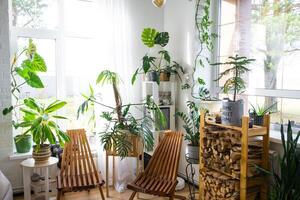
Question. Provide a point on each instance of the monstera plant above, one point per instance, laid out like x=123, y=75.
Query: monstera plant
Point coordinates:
x=121, y=123
x=157, y=67
x=24, y=73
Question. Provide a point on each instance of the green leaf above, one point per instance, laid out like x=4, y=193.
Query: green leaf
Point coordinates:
x=148, y=36
x=49, y=134
x=165, y=55
x=59, y=117
x=55, y=107
x=162, y=39
x=38, y=63
x=34, y=80
x=133, y=79
x=147, y=61
x=31, y=103
x=7, y=110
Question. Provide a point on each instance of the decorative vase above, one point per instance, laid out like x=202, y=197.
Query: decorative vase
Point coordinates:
x=41, y=153
x=164, y=76
x=232, y=112
x=153, y=76
x=23, y=143
x=192, y=152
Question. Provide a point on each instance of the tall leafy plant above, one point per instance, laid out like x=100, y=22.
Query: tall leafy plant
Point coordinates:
x=120, y=120
x=233, y=75
x=286, y=184
x=191, y=123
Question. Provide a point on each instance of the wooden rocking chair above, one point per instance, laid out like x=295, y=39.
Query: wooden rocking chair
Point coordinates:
x=78, y=170
x=160, y=175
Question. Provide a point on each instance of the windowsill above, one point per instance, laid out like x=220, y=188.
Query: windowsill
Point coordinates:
x=20, y=156
x=275, y=137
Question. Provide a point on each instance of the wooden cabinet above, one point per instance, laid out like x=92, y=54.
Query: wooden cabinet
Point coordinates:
x=229, y=157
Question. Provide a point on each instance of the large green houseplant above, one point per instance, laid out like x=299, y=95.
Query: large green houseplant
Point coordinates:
x=39, y=120
x=121, y=122
x=157, y=67
x=25, y=72
x=233, y=110
x=192, y=128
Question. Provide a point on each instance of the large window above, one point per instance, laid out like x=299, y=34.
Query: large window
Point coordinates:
x=268, y=31
x=64, y=33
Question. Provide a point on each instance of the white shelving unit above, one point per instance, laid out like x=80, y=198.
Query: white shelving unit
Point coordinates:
x=151, y=88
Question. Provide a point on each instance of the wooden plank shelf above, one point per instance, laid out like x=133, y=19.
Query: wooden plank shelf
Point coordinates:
x=228, y=155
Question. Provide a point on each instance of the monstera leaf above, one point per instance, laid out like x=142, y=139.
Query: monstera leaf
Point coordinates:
x=162, y=39
x=148, y=36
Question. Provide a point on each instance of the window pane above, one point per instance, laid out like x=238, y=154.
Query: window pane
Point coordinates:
x=35, y=13
x=46, y=48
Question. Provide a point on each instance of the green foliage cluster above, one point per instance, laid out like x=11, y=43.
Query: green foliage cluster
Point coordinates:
x=191, y=123
x=39, y=120
x=262, y=110
x=119, y=119
x=151, y=37
x=237, y=67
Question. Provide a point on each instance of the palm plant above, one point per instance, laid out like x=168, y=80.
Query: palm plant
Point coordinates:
x=191, y=123
x=237, y=68
x=39, y=120
x=120, y=120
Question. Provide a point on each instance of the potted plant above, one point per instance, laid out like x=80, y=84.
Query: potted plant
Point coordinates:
x=233, y=110
x=192, y=129
x=39, y=120
x=157, y=67
x=121, y=123
x=257, y=113
x=24, y=73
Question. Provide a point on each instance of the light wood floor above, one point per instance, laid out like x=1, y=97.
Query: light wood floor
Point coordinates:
x=114, y=195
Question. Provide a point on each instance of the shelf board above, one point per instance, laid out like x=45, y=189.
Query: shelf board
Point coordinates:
x=42, y=183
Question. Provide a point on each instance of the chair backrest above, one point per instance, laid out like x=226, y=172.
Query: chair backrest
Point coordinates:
x=165, y=160
x=77, y=160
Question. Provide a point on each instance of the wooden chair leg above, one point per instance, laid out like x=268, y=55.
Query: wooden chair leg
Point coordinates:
x=132, y=195
x=59, y=192
x=101, y=193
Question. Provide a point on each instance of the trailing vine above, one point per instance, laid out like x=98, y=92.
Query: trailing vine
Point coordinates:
x=205, y=36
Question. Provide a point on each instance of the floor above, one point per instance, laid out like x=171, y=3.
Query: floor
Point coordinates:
x=114, y=195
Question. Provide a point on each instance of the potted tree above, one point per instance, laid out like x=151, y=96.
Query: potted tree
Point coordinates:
x=257, y=113
x=191, y=126
x=121, y=125
x=232, y=110
x=157, y=66
x=24, y=73
x=39, y=120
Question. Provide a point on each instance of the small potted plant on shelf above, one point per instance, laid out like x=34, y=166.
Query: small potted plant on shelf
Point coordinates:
x=192, y=128
x=39, y=120
x=24, y=73
x=233, y=110
x=157, y=67
x=122, y=127
x=257, y=113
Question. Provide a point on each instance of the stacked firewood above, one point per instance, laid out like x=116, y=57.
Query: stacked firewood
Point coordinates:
x=221, y=151
x=218, y=186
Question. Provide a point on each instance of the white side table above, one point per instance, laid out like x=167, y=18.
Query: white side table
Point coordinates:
x=27, y=166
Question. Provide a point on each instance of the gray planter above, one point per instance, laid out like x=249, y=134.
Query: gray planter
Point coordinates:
x=232, y=112
x=153, y=76
x=192, y=152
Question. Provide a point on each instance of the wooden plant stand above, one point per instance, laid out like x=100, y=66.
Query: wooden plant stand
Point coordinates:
x=228, y=155
x=137, y=151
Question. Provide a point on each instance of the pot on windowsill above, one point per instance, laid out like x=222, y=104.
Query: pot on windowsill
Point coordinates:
x=41, y=153
x=23, y=143
x=257, y=120
x=164, y=76
x=192, y=152
x=232, y=112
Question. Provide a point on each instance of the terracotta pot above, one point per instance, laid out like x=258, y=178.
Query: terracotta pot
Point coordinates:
x=164, y=76
x=41, y=153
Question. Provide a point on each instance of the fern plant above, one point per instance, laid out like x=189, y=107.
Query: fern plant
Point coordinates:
x=191, y=123
x=120, y=121
x=234, y=82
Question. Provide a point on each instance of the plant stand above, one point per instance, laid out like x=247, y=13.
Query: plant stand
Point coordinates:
x=190, y=173
x=137, y=152
x=228, y=156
